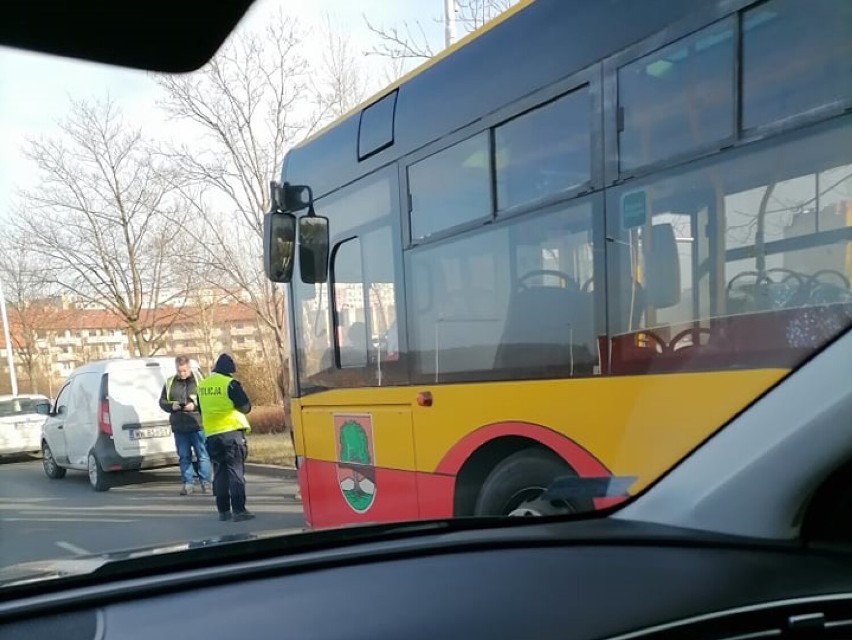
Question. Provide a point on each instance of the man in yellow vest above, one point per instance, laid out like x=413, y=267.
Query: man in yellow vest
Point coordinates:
x=223, y=404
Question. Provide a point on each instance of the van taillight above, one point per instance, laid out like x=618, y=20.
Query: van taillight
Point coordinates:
x=104, y=424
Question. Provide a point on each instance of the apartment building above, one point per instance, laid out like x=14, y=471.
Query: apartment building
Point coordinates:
x=54, y=338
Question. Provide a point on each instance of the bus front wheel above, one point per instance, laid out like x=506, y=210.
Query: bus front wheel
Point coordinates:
x=515, y=484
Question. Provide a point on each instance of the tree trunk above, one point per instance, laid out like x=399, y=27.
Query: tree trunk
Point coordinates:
x=141, y=346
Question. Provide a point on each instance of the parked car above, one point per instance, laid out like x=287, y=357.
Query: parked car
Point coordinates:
x=107, y=419
x=21, y=417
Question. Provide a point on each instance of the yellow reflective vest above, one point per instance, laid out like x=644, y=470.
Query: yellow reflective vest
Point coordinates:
x=170, y=381
x=218, y=414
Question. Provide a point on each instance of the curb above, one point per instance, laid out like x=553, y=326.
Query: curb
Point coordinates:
x=271, y=470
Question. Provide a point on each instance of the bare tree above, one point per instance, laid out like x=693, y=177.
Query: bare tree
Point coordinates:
x=249, y=104
x=203, y=303
x=27, y=292
x=472, y=14
x=410, y=40
x=407, y=41
x=340, y=81
x=393, y=70
x=100, y=219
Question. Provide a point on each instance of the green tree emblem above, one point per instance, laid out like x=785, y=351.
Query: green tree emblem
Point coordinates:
x=355, y=450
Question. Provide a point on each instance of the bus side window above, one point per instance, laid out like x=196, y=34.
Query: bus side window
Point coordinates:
x=544, y=151
x=762, y=238
x=678, y=98
x=365, y=306
x=812, y=68
x=380, y=281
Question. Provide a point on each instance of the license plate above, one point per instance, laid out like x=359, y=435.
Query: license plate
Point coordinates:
x=22, y=426
x=151, y=432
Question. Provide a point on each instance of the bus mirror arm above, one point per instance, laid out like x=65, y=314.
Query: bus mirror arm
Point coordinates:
x=290, y=198
x=296, y=197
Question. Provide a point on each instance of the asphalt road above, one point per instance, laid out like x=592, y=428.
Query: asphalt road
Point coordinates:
x=45, y=519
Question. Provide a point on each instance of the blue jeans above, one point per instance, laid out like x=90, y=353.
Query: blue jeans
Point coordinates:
x=186, y=442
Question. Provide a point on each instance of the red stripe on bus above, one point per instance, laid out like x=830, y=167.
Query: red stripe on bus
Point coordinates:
x=583, y=462
x=435, y=495
x=395, y=497
x=302, y=477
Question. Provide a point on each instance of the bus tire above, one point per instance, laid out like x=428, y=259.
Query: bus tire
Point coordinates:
x=521, y=478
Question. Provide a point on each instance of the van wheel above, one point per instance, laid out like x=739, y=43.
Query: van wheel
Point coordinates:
x=51, y=469
x=515, y=484
x=97, y=477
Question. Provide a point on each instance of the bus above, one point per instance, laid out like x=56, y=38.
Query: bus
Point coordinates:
x=534, y=274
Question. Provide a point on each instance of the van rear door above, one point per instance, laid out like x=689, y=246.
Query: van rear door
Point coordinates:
x=139, y=426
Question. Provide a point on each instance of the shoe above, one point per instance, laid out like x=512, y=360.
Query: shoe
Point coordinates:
x=205, y=487
x=242, y=516
x=186, y=490
x=224, y=516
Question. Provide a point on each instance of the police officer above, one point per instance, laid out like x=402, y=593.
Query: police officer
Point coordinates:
x=223, y=404
x=179, y=399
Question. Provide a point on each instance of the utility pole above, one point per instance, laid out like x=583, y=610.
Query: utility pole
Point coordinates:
x=9, y=357
x=449, y=22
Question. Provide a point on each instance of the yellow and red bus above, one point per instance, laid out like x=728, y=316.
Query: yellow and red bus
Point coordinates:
x=534, y=274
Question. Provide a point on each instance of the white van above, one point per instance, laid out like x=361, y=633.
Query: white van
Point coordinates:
x=107, y=419
x=21, y=418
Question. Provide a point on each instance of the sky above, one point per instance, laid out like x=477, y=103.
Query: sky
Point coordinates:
x=35, y=89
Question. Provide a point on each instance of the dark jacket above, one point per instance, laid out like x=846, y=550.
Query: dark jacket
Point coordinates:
x=225, y=365
x=182, y=391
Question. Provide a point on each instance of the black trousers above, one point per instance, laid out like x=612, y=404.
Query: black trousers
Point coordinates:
x=228, y=454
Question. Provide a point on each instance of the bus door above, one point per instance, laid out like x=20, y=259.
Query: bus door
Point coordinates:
x=357, y=431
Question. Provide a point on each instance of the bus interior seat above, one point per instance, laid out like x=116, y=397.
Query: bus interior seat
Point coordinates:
x=545, y=327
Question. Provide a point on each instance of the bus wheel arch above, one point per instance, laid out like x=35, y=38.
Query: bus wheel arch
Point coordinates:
x=473, y=473
x=515, y=486
x=477, y=456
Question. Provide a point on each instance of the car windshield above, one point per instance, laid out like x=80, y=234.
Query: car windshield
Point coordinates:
x=376, y=263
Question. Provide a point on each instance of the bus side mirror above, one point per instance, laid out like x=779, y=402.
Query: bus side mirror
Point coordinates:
x=662, y=266
x=279, y=241
x=313, y=249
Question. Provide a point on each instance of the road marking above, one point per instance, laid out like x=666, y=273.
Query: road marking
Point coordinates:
x=73, y=548
x=86, y=520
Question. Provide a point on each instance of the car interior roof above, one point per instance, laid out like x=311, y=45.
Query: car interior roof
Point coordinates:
x=157, y=35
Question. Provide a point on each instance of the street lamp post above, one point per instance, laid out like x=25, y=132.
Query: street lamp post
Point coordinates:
x=9, y=357
x=449, y=22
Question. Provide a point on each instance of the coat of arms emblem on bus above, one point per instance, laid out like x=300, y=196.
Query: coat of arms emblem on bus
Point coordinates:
x=356, y=473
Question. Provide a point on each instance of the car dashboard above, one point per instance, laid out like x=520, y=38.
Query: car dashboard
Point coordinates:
x=583, y=580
